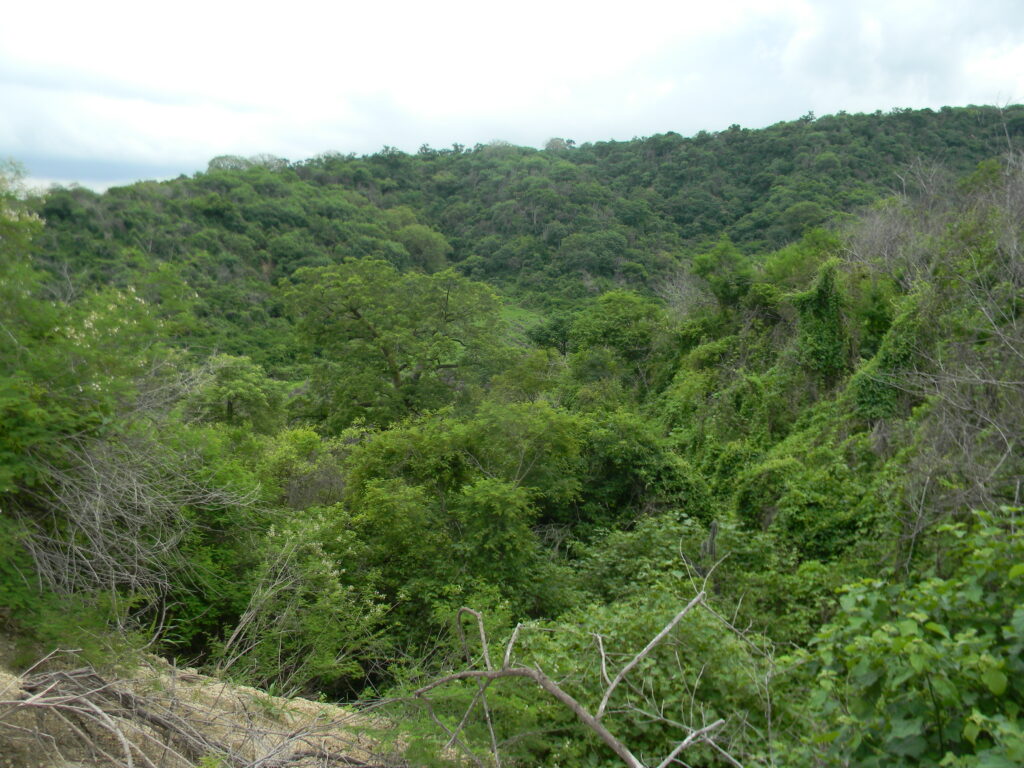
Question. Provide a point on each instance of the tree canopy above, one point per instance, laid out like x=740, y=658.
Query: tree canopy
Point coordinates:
x=388, y=344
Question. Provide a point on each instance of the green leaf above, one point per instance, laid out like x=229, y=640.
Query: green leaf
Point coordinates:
x=902, y=729
x=907, y=627
x=995, y=680
x=1017, y=570
x=937, y=629
x=911, y=746
x=1014, y=746
x=993, y=759
x=971, y=731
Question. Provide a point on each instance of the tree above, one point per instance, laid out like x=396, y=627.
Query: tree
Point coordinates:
x=236, y=391
x=624, y=324
x=727, y=270
x=388, y=344
x=25, y=322
x=428, y=249
x=595, y=252
x=304, y=628
x=823, y=345
x=622, y=320
x=443, y=501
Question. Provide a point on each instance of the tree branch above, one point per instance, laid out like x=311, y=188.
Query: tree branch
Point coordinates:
x=643, y=654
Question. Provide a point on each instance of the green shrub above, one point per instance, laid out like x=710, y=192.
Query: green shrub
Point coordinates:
x=928, y=672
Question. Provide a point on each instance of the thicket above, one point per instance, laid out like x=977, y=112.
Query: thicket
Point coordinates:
x=286, y=419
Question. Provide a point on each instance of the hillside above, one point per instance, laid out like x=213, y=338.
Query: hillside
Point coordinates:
x=286, y=420
x=160, y=715
x=549, y=227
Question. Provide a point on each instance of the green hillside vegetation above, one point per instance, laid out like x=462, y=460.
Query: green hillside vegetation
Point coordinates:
x=284, y=419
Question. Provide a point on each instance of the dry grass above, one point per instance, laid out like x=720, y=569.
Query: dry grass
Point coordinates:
x=162, y=717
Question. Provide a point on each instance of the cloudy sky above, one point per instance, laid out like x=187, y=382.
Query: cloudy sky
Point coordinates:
x=108, y=91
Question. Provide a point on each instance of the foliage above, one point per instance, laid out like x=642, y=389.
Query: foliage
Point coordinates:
x=728, y=272
x=926, y=672
x=390, y=344
x=306, y=627
x=822, y=346
x=698, y=672
x=238, y=393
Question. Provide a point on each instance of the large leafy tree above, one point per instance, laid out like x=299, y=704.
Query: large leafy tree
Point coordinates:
x=389, y=344
x=458, y=508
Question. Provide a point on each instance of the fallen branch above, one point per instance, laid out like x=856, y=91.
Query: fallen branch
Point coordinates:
x=592, y=721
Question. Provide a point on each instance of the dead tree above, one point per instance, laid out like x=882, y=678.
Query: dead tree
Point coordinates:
x=965, y=253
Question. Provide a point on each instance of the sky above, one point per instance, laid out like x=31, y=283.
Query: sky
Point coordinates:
x=108, y=92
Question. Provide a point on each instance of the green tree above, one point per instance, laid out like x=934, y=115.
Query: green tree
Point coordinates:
x=307, y=626
x=623, y=325
x=823, y=344
x=727, y=270
x=235, y=391
x=388, y=344
x=428, y=249
x=621, y=320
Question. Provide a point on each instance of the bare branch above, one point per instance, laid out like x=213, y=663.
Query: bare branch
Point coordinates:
x=489, y=674
x=482, y=684
x=552, y=688
x=647, y=649
x=700, y=735
x=507, y=660
x=604, y=659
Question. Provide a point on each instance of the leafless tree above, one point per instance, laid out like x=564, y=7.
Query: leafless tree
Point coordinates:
x=112, y=515
x=110, y=508
x=684, y=293
x=964, y=254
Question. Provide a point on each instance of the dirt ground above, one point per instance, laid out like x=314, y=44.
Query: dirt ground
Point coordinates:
x=163, y=717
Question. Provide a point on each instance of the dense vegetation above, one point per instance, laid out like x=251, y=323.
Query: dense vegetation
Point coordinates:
x=284, y=419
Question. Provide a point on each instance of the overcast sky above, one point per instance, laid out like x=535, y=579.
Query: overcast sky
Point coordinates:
x=104, y=92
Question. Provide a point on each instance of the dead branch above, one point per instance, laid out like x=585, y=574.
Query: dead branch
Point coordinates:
x=592, y=721
x=79, y=714
x=111, y=515
x=83, y=691
x=550, y=687
x=482, y=684
x=655, y=641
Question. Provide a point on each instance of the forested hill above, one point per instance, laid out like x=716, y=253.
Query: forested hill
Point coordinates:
x=620, y=212
x=548, y=227
x=285, y=419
